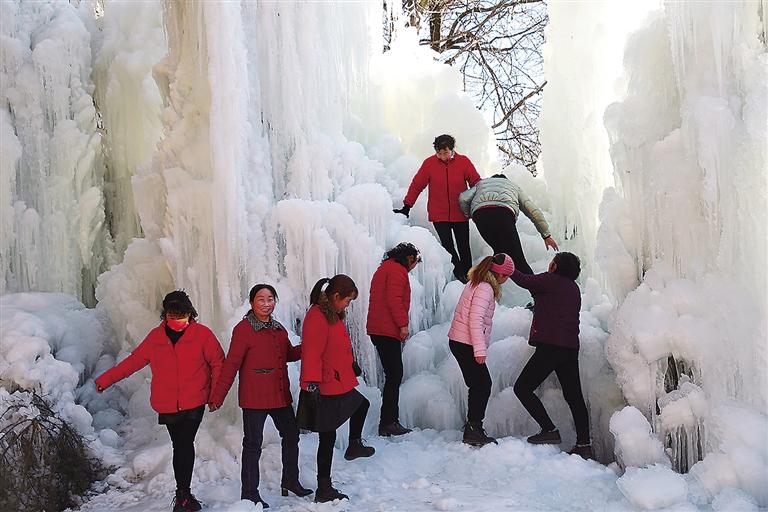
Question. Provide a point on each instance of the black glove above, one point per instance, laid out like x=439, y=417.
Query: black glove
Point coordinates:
x=314, y=391
x=405, y=210
x=356, y=368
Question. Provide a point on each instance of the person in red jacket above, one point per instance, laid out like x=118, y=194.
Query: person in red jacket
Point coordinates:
x=447, y=174
x=387, y=326
x=328, y=396
x=260, y=350
x=185, y=358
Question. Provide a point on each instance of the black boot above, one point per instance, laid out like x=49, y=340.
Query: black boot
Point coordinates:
x=393, y=429
x=256, y=499
x=474, y=434
x=582, y=450
x=296, y=488
x=325, y=491
x=185, y=501
x=546, y=437
x=357, y=449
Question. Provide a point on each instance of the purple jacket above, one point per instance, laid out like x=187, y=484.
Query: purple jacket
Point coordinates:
x=556, y=314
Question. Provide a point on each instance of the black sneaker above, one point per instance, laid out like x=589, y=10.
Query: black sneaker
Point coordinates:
x=185, y=501
x=357, y=449
x=393, y=429
x=582, y=450
x=548, y=437
x=474, y=435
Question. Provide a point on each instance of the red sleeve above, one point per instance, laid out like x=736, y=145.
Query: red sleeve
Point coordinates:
x=135, y=361
x=314, y=337
x=419, y=183
x=395, y=293
x=238, y=347
x=294, y=352
x=214, y=355
x=470, y=174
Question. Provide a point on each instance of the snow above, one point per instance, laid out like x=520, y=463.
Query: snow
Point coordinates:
x=653, y=487
x=423, y=471
x=210, y=146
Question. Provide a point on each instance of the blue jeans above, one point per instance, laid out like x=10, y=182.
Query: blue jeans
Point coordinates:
x=253, y=435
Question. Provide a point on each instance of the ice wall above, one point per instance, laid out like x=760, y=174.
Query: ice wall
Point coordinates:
x=52, y=174
x=686, y=216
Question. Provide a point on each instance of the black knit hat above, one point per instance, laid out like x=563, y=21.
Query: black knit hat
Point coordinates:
x=178, y=302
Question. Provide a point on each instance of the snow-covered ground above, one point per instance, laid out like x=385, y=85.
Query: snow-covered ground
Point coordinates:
x=422, y=471
x=213, y=145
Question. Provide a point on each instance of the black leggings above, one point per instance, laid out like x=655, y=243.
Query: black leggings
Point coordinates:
x=328, y=439
x=391, y=353
x=476, y=377
x=497, y=227
x=565, y=363
x=463, y=260
x=183, y=434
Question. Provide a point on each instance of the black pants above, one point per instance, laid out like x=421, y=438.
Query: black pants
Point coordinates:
x=463, y=260
x=390, y=351
x=497, y=227
x=476, y=377
x=253, y=435
x=328, y=439
x=183, y=434
x=565, y=363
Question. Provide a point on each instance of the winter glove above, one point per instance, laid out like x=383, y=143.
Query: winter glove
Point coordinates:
x=356, y=368
x=314, y=391
x=405, y=210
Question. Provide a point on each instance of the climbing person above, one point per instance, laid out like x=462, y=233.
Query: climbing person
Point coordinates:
x=328, y=396
x=185, y=358
x=555, y=334
x=387, y=325
x=494, y=204
x=259, y=352
x=447, y=174
x=470, y=335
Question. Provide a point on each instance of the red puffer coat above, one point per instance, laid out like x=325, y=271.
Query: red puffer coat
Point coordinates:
x=390, y=300
x=326, y=354
x=261, y=358
x=446, y=181
x=183, y=374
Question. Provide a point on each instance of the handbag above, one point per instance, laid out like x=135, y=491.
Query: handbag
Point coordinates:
x=306, y=411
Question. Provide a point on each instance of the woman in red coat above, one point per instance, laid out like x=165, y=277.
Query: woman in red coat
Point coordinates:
x=185, y=358
x=260, y=350
x=328, y=396
x=387, y=326
x=446, y=174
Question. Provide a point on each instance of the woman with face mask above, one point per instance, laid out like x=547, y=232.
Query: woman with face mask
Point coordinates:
x=185, y=358
x=328, y=397
x=259, y=351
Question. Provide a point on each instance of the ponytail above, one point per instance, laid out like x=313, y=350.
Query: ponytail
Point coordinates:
x=340, y=284
x=317, y=291
x=481, y=273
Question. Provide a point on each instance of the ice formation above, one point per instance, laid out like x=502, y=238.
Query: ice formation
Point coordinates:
x=210, y=146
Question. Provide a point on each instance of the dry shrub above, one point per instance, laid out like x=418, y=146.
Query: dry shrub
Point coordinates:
x=44, y=462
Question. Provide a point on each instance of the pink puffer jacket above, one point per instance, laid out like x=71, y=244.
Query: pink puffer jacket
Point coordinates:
x=473, y=317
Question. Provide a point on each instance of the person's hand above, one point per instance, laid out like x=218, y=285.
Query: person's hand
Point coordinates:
x=213, y=407
x=550, y=242
x=405, y=210
x=480, y=359
x=403, y=332
x=313, y=390
x=99, y=389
